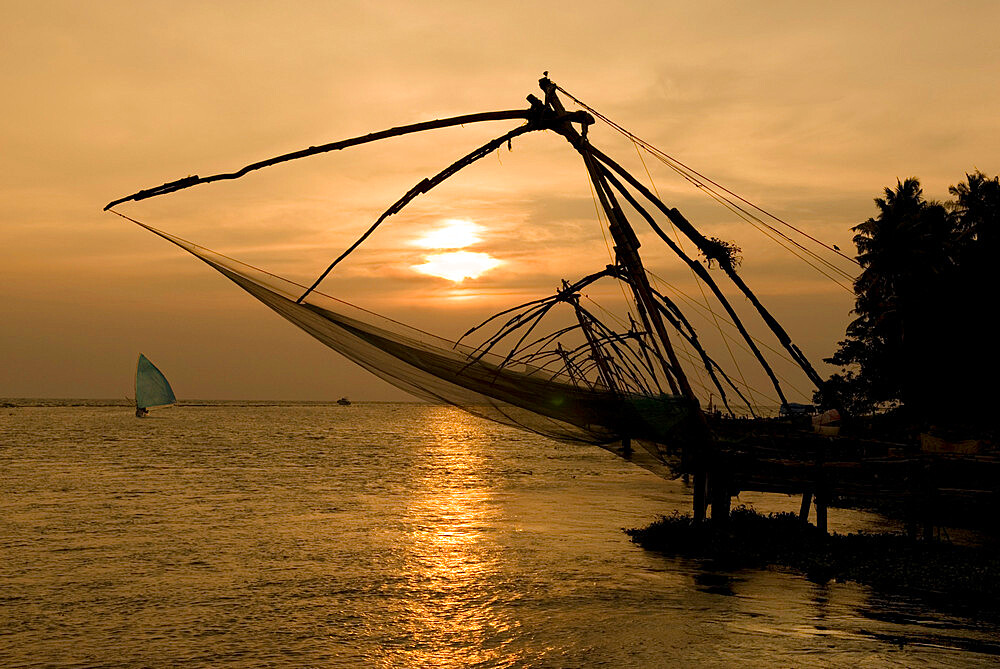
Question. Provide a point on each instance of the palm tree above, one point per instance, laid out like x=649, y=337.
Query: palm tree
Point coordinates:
x=904, y=252
x=922, y=299
x=977, y=206
x=976, y=209
x=909, y=238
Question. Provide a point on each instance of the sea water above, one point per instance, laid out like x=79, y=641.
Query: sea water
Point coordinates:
x=392, y=535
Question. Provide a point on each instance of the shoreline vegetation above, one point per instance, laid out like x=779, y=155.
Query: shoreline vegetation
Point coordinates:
x=965, y=576
x=921, y=340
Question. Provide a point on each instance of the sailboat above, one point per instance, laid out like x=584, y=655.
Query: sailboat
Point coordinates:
x=151, y=387
x=581, y=379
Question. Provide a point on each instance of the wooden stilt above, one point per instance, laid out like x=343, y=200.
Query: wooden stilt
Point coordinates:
x=700, y=488
x=822, y=490
x=821, y=511
x=804, y=509
x=720, y=498
x=913, y=510
x=927, y=501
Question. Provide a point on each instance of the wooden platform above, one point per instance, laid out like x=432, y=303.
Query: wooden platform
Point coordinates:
x=920, y=480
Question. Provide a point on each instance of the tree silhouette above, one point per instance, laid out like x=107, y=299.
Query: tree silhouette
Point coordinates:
x=977, y=207
x=973, y=356
x=919, y=338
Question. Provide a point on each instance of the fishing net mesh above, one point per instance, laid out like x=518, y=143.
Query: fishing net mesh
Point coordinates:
x=438, y=370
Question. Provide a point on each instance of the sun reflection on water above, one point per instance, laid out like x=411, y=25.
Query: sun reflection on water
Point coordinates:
x=453, y=566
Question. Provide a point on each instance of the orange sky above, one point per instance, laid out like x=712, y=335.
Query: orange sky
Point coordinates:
x=807, y=110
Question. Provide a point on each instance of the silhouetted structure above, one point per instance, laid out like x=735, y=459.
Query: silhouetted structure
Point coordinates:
x=585, y=380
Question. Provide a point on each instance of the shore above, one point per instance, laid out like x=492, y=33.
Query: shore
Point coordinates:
x=967, y=575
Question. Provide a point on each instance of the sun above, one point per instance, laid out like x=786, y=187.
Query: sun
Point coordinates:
x=456, y=265
x=453, y=234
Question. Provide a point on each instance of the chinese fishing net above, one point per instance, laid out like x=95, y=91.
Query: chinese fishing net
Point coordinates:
x=438, y=370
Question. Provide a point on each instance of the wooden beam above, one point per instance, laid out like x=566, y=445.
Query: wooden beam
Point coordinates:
x=422, y=187
x=804, y=509
x=719, y=483
x=821, y=507
x=700, y=493
x=187, y=182
x=695, y=266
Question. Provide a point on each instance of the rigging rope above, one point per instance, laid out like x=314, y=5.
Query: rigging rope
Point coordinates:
x=741, y=213
x=680, y=243
x=280, y=278
x=726, y=338
x=687, y=172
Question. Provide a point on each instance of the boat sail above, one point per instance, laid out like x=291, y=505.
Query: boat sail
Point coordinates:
x=151, y=388
x=578, y=381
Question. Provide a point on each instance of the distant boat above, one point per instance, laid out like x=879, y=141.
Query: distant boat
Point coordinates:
x=151, y=388
x=344, y=402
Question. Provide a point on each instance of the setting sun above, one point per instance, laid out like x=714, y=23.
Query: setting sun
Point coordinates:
x=458, y=265
x=453, y=234
x=455, y=265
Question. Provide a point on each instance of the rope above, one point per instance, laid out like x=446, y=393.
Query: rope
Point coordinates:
x=701, y=287
x=727, y=338
x=281, y=278
x=748, y=218
x=687, y=172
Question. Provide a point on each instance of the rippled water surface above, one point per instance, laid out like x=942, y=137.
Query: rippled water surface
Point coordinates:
x=225, y=535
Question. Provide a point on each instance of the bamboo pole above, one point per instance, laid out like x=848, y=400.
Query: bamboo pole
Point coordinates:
x=422, y=187
x=626, y=249
x=804, y=508
x=700, y=489
x=648, y=327
x=187, y=182
x=702, y=274
x=595, y=349
x=692, y=233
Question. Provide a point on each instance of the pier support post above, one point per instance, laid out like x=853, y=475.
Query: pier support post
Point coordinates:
x=926, y=502
x=821, y=502
x=700, y=490
x=822, y=489
x=720, y=498
x=804, y=509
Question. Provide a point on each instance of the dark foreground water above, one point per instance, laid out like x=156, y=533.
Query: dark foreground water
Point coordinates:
x=381, y=535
